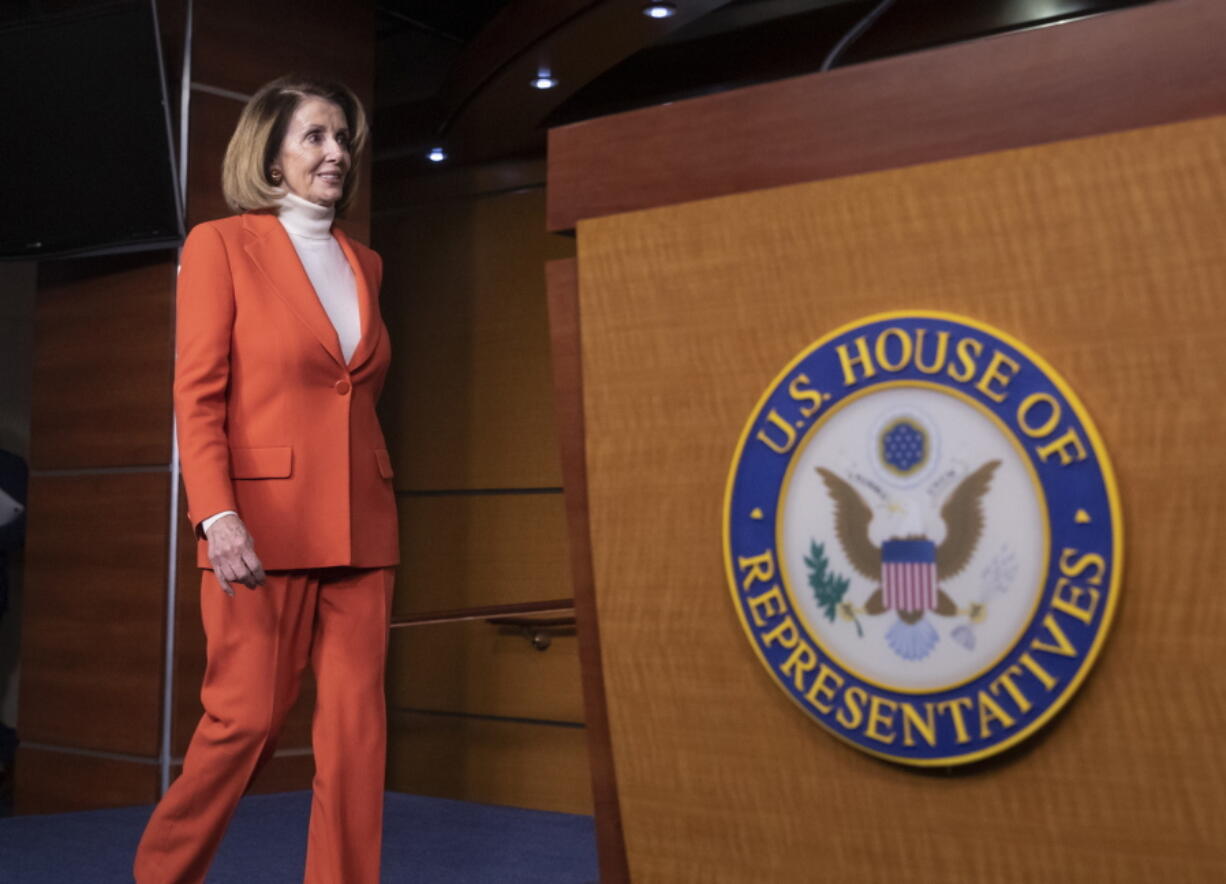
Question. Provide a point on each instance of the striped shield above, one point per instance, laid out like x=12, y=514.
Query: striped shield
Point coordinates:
x=909, y=574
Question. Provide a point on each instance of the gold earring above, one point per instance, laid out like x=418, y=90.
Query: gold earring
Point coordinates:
x=276, y=176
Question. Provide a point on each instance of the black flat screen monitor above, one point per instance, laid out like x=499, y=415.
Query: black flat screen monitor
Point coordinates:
x=86, y=163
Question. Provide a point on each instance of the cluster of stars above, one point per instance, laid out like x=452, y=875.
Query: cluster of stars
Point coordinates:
x=902, y=447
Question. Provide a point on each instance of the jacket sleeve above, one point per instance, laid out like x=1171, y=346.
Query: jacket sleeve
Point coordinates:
x=204, y=321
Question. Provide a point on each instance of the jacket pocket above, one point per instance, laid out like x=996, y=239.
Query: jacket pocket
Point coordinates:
x=261, y=463
x=385, y=463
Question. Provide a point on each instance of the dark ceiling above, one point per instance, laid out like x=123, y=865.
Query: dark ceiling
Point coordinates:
x=419, y=40
x=456, y=74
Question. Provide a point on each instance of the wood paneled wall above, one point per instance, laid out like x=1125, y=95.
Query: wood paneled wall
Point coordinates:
x=94, y=632
x=468, y=404
x=477, y=713
x=93, y=636
x=477, y=550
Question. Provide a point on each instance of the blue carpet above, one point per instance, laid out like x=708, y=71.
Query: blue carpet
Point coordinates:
x=427, y=840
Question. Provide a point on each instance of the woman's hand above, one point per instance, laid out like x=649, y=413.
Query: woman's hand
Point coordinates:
x=232, y=554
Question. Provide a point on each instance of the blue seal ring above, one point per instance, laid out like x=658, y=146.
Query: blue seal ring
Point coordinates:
x=1043, y=668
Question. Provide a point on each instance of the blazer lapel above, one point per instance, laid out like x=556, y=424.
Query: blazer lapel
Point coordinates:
x=271, y=250
x=367, y=310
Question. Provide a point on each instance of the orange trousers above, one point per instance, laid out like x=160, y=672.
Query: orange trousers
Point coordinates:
x=259, y=643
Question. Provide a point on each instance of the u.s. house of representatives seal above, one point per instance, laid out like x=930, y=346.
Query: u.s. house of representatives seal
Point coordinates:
x=922, y=537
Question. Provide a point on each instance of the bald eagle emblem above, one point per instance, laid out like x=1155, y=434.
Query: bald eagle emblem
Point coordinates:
x=921, y=537
x=910, y=568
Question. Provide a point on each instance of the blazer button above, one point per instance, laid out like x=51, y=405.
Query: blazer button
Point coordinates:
x=342, y=387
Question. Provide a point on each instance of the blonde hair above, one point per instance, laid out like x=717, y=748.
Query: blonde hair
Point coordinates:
x=246, y=182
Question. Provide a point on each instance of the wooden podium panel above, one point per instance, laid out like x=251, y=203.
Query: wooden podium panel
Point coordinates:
x=1107, y=256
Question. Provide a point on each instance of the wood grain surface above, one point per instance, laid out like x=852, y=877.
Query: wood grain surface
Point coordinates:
x=468, y=416
x=540, y=766
x=240, y=46
x=51, y=781
x=516, y=612
x=460, y=551
x=1152, y=64
x=212, y=118
x=93, y=618
x=103, y=358
x=564, y=327
x=468, y=403
x=485, y=669
x=399, y=183
x=1103, y=254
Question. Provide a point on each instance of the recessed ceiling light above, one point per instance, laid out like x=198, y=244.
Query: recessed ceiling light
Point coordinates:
x=659, y=10
x=436, y=155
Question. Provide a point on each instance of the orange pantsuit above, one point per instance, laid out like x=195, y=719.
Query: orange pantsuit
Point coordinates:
x=273, y=423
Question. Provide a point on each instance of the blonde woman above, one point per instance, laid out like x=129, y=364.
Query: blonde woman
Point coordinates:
x=281, y=355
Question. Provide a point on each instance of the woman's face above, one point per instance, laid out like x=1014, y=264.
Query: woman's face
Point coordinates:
x=314, y=157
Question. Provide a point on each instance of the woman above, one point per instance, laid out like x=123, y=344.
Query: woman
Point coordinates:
x=281, y=355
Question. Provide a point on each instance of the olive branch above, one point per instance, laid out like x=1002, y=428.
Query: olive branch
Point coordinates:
x=828, y=587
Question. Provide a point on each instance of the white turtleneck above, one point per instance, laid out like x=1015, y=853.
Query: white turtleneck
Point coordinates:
x=309, y=226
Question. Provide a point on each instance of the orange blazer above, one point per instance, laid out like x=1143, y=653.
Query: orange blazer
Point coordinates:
x=272, y=422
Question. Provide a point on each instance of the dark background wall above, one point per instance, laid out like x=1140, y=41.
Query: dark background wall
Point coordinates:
x=16, y=356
